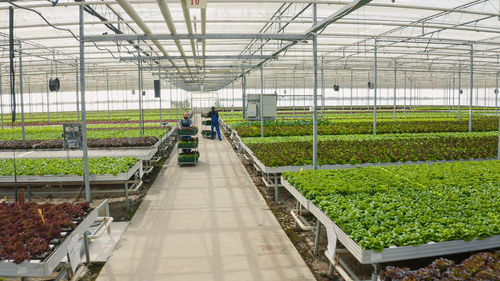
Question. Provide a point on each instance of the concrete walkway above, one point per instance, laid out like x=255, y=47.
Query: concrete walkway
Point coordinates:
x=203, y=223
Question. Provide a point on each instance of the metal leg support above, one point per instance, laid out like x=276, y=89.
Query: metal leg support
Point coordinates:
x=316, y=239
x=276, y=191
x=127, y=201
x=107, y=209
x=87, y=248
x=376, y=269
x=297, y=206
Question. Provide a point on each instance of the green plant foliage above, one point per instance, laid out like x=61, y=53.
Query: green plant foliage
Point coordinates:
x=357, y=149
x=407, y=205
x=59, y=167
x=54, y=132
x=348, y=127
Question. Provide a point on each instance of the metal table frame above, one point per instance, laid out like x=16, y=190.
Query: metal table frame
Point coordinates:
x=132, y=180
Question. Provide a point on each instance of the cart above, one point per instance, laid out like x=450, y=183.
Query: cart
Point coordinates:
x=206, y=126
x=187, y=146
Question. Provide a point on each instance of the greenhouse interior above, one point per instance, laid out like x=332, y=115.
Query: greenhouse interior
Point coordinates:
x=275, y=140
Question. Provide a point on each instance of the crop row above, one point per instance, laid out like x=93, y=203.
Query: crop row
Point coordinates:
x=54, y=132
x=101, y=117
x=303, y=127
x=408, y=205
x=357, y=149
x=104, y=142
x=27, y=229
x=60, y=167
x=480, y=266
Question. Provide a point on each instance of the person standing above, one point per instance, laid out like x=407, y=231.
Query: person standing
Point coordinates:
x=214, y=116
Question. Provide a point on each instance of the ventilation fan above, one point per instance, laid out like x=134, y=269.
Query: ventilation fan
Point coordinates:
x=54, y=84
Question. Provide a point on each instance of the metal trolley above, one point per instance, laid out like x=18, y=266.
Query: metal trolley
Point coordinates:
x=187, y=146
x=206, y=126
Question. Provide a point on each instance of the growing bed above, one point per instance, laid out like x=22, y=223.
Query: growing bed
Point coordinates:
x=67, y=225
x=383, y=214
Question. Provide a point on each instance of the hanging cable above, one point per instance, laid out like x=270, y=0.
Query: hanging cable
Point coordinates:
x=59, y=28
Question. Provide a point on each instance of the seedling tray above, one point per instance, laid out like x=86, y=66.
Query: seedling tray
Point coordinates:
x=187, y=144
x=187, y=132
x=206, y=133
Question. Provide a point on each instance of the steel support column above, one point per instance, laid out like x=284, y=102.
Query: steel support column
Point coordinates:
x=471, y=85
x=375, y=84
x=395, y=86
x=315, y=89
x=1, y=99
x=293, y=94
x=261, y=112
x=317, y=236
x=322, y=89
x=88, y=196
x=351, y=90
x=77, y=71
x=496, y=99
x=453, y=95
x=459, y=91
x=107, y=94
x=48, y=103
x=244, y=95
x=139, y=75
x=161, y=113
x=21, y=90
x=404, y=97
x=232, y=105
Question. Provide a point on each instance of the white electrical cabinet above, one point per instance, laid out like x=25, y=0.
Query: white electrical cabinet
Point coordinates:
x=269, y=107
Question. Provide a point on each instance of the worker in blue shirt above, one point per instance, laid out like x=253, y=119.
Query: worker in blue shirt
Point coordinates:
x=214, y=115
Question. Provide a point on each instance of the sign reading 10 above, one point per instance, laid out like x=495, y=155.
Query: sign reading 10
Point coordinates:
x=199, y=4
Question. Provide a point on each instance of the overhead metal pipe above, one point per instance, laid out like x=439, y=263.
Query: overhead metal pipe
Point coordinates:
x=203, y=32
x=165, y=11
x=125, y=5
x=189, y=25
